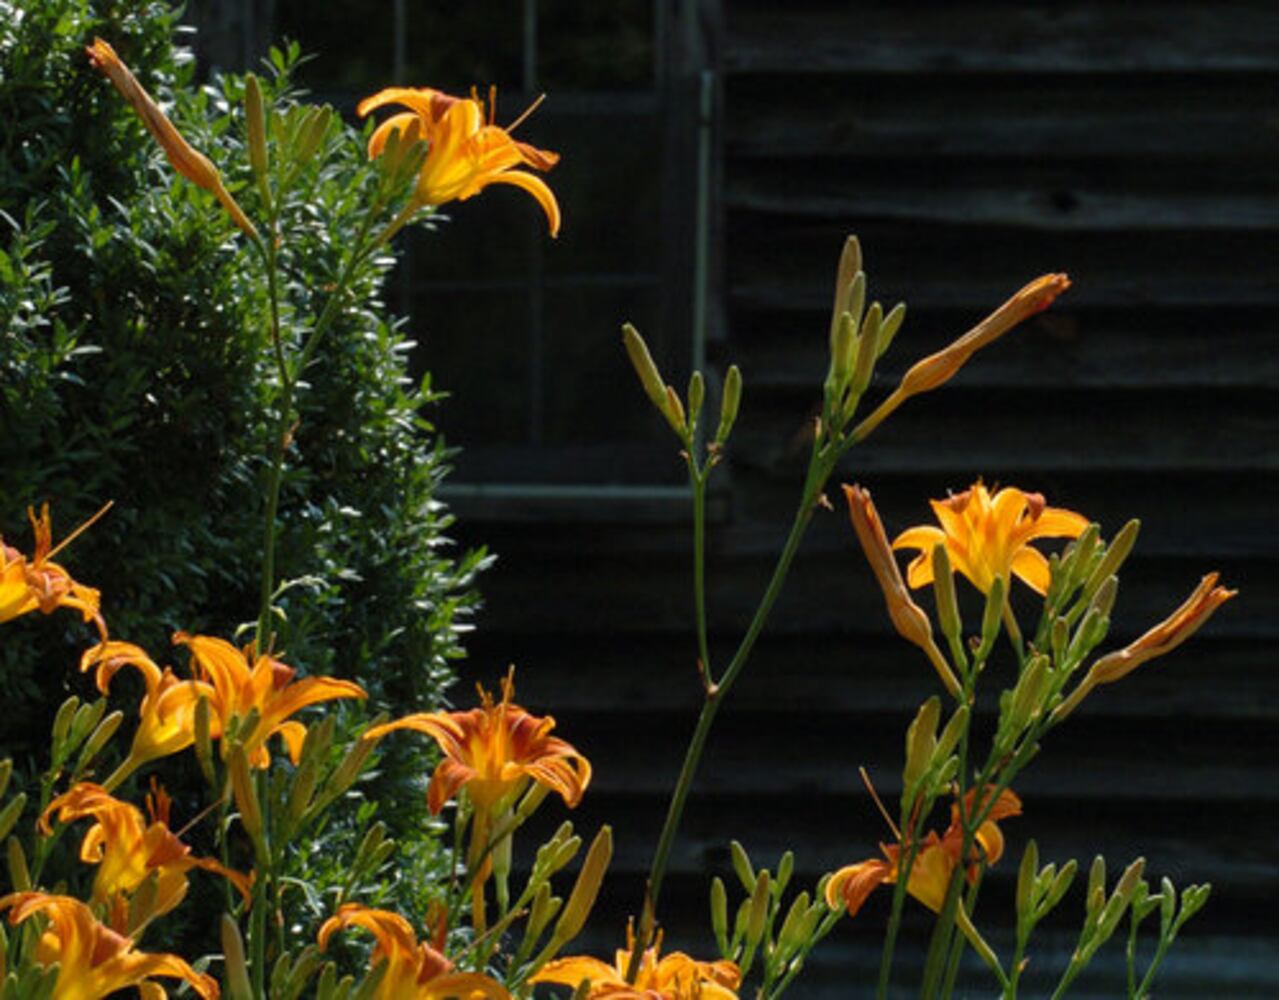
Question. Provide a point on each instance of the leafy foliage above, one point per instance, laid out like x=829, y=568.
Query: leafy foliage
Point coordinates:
x=133, y=368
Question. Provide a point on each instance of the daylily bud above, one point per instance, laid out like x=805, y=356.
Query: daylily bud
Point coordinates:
x=850, y=265
x=1027, y=879
x=6, y=771
x=696, y=395
x=1096, y=881
x=857, y=300
x=719, y=914
x=843, y=342
x=587, y=886
x=1167, y=902
x=1116, y=553
x=540, y=913
x=62, y=721
x=19, y=874
x=1103, y=601
x=303, y=787
x=742, y=865
x=675, y=412
x=729, y=403
x=867, y=352
x=237, y=972
x=203, y=742
x=921, y=741
x=642, y=361
x=936, y=369
x=949, y=738
x=189, y=162
x=892, y=323
x=312, y=133
x=106, y=729
x=785, y=868
x=1028, y=695
x=10, y=814
x=758, y=911
x=1059, y=637
x=1060, y=885
x=246, y=799
x=944, y=593
x=791, y=936
x=87, y=716
x=142, y=903
x=255, y=125
x=991, y=617
x=908, y=617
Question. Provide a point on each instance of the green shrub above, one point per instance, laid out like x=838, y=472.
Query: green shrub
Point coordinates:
x=133, y=369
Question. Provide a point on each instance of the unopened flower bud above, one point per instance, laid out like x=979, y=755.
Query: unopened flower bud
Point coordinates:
x=719, y=913
x=642, y=361
x=759, y=910
x=587, y=886
x=246, y=799
x=62, y=721
x=696, y=395
x=237, y=971
x=1116, y=553
x=255, y=125
x=991, y=617
x=892, y=323
x=729, y=403
x=106, y=729
x=850, y=265
x=867, y=350
x=921, y=741
x=19, y=873
x=944, y=594
x=12, y=811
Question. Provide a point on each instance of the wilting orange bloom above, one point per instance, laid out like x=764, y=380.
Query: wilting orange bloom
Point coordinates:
x=466, y=151
x=930, y=372
x=189, y=162
x=128, y=850
x=415, y=971
x=908, y=617
x=493, y=751
x=38, y=584
x=243, y=681
x=674, y=977
x=935, y=861
x=95, y=961
x=1170, y=633
x=988, y=537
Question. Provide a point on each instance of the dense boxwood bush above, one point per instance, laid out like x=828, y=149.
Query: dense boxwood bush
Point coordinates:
x=132, y=369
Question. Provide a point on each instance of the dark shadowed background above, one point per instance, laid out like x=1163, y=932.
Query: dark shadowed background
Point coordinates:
x=714, y=157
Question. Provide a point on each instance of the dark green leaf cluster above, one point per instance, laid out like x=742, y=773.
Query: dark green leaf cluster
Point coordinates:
x=134, y=368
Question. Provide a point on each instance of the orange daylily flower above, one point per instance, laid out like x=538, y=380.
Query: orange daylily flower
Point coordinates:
x=415, y=971
x=243, y=681
x=934, y=863
x=908, y=617
x=1170, y=633
x=95, y=961
x=186, y=160
x=493, y=751
x=988, y=537
x=127, y=850
x=467, y=151
x=234, y=682
x=38, y=584
x=674, y=977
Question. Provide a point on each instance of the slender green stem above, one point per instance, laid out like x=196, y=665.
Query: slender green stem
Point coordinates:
x=910, y=851
x=1165, y=942
x=960, y=942
x=697, y=478
x=285, y=417
x=819, y=469
x=261, y=884
x=1130, y=954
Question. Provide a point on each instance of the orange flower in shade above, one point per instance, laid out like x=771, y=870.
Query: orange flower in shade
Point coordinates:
x=1170, y=633
x=493, y=751
x=415, y=971
x=674, y=977
x=128, y=850
x=466, y=151
x=988, y=537
x=94, y=961
x=243, y=682
x=908, y=617
x=189, y=162
x=38, y=584
x=935, y=861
